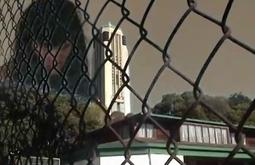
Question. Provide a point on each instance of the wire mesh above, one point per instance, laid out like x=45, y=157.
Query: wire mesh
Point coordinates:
x=44, y=105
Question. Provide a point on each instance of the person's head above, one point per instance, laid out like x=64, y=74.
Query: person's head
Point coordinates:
x=48, y=33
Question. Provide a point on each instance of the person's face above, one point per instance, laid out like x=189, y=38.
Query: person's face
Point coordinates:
x=58, y=54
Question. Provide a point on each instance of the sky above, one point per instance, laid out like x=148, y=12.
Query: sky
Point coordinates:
x=231, y=71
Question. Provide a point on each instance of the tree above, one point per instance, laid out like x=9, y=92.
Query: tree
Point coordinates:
x=238, y=101
x=220, y=105
x=170, y=104
x=232, y=107
x=35, y=124
x=177, y=105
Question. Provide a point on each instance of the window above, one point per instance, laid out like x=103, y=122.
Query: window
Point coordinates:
x=192, y=133
x=206, y=135
x=196, y=133
x=105, y=36
x=124, y=40
x=233, y=141
x=199, y=134
x=212, y=135
x=116, y=72
x=184, y=133
x=39, y=160
x=224, y=136
x=218, y=136
x=141, y=132
x=146, y=131
x=149, y=131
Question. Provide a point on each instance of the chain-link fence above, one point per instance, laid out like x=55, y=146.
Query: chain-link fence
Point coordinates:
x=52, y=76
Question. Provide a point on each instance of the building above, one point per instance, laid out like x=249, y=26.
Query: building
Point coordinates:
x=111, y=52
x=199, y=142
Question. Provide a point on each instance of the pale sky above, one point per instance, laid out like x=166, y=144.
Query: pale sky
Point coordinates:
x=232, y=69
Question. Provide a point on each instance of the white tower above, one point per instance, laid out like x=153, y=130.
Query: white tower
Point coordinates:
x=110, y=77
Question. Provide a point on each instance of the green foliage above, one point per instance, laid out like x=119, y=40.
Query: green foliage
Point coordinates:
x=238, y=98
x=232, y=107
x=239, y=103
x=29, y=120
x=94, y=117
x=171, y=104
x=72, y=113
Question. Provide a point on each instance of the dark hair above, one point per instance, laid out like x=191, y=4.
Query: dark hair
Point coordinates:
x=52, y=22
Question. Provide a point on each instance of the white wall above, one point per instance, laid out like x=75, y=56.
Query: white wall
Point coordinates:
x=117, y=160
x=82, y=162
x=156, y=159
